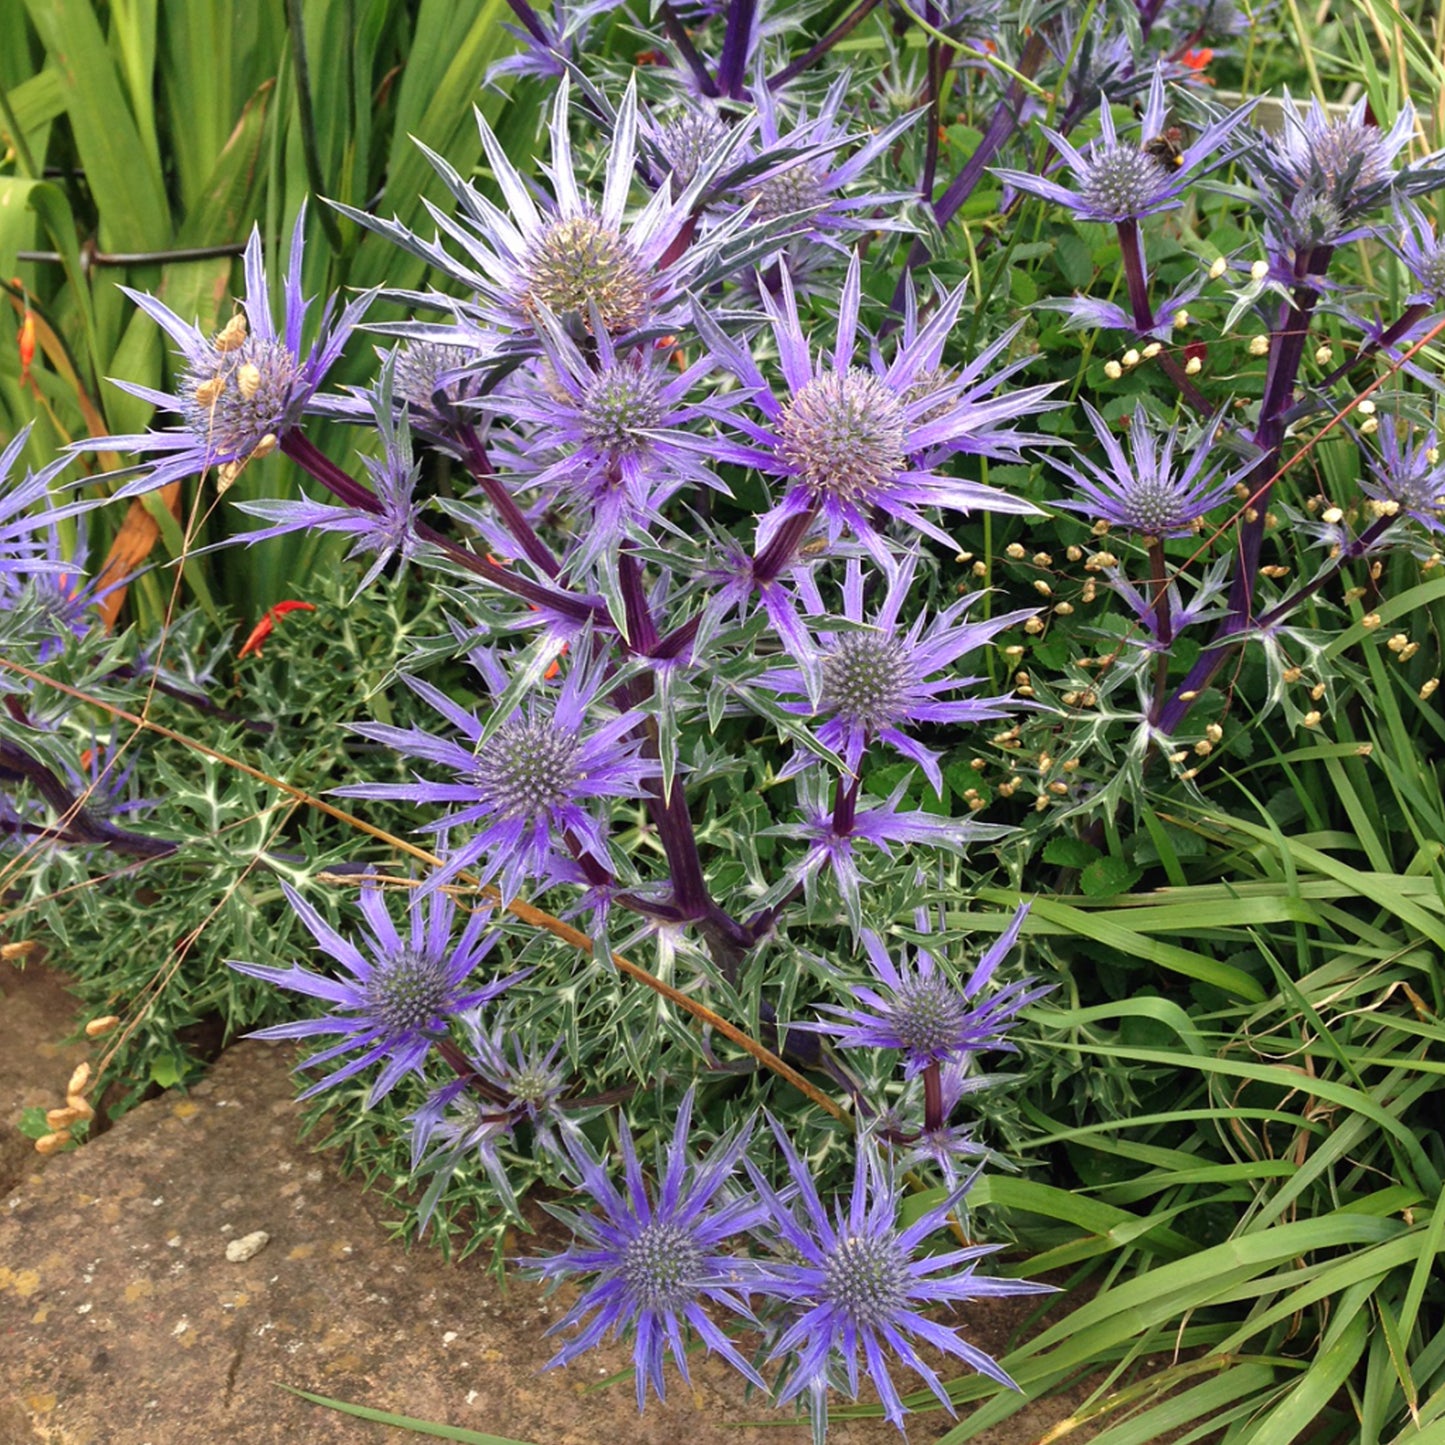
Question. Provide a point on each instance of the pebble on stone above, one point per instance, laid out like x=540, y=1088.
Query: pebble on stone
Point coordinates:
x=238, y=1251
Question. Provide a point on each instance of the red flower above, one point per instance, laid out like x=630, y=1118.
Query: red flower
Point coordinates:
x=263, y=629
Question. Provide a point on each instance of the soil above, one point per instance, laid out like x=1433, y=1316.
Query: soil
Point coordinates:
x=124, y=1322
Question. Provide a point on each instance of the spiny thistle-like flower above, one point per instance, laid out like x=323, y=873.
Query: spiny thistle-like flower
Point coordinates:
x=874, y=679
x=527, y=787
x=399, y=1001
x=459, y=1121
x=1151, y=493
x=1408, y=474
x=1414, y=240
x=806, y=179
x=620, y=423
x=241, y=390
x=685, y=139
x=927, y=1016
x=585, y=262
x=657, y=1254
x=833, y=841
x=1156, y=633
x=1323, y=175
x=853, y=1283
x=1123, y=180
x=387, y=533
x=847, y=440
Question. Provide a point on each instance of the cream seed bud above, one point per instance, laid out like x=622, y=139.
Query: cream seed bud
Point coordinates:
x=978, y=764
x=52, y=1143
x=17, y=950
x=265, y=446
x=1130, y=358
x=1259, y=346
x=1193, y=366
x=248, y=380
x=80, y=1106
x=98, y=1028
x=1218, y=268
x=1024, y=691
x=1214, y=732
x=1274, y=572
x=1075, y=554
x=980, y=569
x=1366, y=407
x=1351, y=593
x=1089, y=593
x=1189, y=695
x=1181, y=319
x=1042, y=559
x=1021, y=677
x=964, y=557
x=1432, y=455
x=1364, y=750
x=1041, y=802
x=1369, y=426
x=974, y=804
x=63, y=1118
x=1203, y=747
x=1042, y=587
x=1318, y=691
x=1311, y=719
x=1251, y=514
x=1014, y=651
x=1152, y=350
x=1406, y=653
x=232, y=335
x=79, y=1080
x=1113, y=370
x=1070, y=699
x=1333, y=515
x=209, y=391
x=1259, y=271
x=1398, y=641
x=1034, y=626
x=1324, y=355
x=1292, y=674
x=1065, y=609
x=1071, y=765
x=1058, y=788
x=1428, y=690
x=1016, y=550
x=1180, y=756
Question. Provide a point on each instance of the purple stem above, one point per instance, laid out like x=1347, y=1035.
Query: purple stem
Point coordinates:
x=348, y=490
x=642, y=630
x=1136, y=274
x=933, y=1116
x=533, y=24
x=536, y=550
x=1409, y=318
x=676, y=31
x=773, y=560
x=731, y=66
x=845, y=806
x=840, y=31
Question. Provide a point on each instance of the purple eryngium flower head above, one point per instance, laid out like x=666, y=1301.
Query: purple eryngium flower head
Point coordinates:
x=387, y=533
x=924, y=1014
x=241, y=390
x=848, y=441
x=473, y=1116
x=586, y=263
x=1123, y=180
x=805, y=181
x=398, y=1001
x=1150, y=493
x=1413, y=239
x=853, y=1282
x=876, y=679
x=1322, y=176
x=1409, y=475
x=833, y=836
x=528, y=786
x=657, y=1253
x=612, y=433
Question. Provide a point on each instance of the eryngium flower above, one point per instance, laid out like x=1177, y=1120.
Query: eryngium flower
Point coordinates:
x=525, y=790
x=399, y=1001
x=1150, y=493
x=1122, y=180
x=1321, y=176
x=853, y=1282
x=927, y=1016
x=874, y=680
x=611, y=433
x=241, y=390
x=849, y=441
x=386, y=533
x=656, y=1254
x=1414, y=240
x=586, y=263
x=1408, y=475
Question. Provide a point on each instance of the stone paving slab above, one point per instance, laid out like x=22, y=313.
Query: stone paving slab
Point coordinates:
x=122, y=1322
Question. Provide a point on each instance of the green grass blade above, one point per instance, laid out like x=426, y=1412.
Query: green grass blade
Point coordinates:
x=405, y=1422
